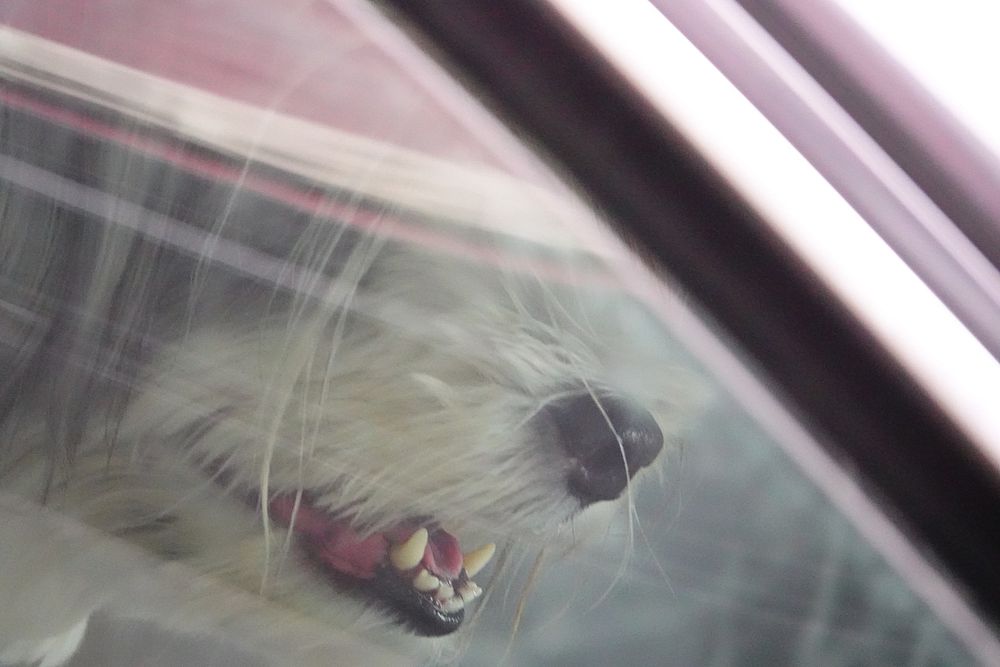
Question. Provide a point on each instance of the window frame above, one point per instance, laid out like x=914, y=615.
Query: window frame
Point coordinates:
x=868, y=411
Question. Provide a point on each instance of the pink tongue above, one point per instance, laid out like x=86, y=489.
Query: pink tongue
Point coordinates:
x=338, y=545
x=443, y=555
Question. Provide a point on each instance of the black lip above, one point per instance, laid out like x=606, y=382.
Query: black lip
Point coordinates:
x=414, y=609
x=395, y=595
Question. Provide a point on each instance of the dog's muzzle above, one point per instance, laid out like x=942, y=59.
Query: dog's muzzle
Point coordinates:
x=607, y=437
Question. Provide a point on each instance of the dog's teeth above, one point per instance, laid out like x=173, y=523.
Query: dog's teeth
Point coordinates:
x=426, y=582
x=476, y=560
x=469, y=591
x=408, y=555
x=452, y=605
x=445, y=593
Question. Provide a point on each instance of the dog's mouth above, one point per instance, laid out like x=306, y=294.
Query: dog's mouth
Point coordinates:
x=415, y=570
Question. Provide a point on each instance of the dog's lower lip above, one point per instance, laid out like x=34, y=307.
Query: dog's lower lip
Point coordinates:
x=416, y=610
x=418, y=573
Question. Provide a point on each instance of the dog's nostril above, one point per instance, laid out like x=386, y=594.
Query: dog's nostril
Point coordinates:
x=608, y=438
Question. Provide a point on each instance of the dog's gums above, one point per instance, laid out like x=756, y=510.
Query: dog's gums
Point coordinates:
x=418, y=572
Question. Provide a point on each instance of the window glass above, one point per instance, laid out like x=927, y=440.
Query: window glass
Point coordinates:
x=276, y=297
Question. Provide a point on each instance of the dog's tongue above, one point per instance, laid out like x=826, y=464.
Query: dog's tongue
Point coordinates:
x=336, y=544
x=443, y=556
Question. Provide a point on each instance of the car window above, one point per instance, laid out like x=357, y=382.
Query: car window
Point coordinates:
x=277, y=294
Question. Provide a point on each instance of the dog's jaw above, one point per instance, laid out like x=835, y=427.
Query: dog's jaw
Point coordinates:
x=417, y=573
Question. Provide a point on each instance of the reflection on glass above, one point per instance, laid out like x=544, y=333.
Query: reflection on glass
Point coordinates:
x=304, y=360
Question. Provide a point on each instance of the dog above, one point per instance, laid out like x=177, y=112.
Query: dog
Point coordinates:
x=341, y=422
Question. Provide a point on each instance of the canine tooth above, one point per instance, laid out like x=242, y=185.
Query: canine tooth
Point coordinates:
x=408, y=555
x=476, y=560
x=452, y=605
x=470, y=591
x=426, y=582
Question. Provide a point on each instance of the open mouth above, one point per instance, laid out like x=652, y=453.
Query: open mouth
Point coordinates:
x=414, y=570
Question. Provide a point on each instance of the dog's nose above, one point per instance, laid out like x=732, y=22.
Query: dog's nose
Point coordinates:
x=608, y=438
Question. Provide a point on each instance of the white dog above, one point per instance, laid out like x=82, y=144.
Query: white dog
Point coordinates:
x=338, y=422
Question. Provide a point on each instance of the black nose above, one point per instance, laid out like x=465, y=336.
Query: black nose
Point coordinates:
x=608, y=438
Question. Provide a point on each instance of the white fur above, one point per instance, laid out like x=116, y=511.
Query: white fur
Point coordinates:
x=49, y=652
x=379, y=377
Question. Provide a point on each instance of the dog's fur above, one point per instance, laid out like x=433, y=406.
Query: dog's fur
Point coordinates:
x=147, y=390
